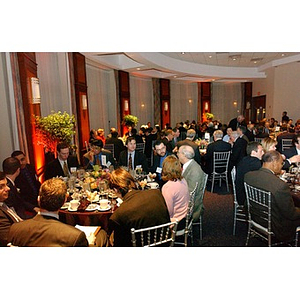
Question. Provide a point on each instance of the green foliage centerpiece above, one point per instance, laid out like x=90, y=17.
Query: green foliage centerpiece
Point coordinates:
x=130, y=120
x=53, y=129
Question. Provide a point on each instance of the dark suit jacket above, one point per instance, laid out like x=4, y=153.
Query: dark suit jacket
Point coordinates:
x=19, y=204
x=27, y=192
x=44, y=231
x=238, y=151
x=118, y=146
x=217, y=146
x=288, y=154
x=247, y=164
x=234, y=124
x=249, y=134
x=188, y=142
x=140, y=209
x=5, y=223
x=285, y=216
x=54, y=168
x=283, y=135
x=152, y=169
x=109, y=158
x=139, y=159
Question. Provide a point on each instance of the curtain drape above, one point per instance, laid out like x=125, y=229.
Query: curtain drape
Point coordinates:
x=224, y=96
x=102, y=98
x=141, y=99
x=184, y=100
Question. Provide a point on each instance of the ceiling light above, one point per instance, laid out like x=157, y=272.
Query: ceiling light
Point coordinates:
x=182, y=52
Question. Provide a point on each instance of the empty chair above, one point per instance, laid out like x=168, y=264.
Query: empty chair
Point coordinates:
x=155, y=235
x=260, y=215
x=239, y=213
x=111, y=148
x=220, y=169
x=188, y=230
x=200, y=218
x=140, y=147
x=286, y=144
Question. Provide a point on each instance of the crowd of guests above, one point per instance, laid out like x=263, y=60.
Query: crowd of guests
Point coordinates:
x=29, y=211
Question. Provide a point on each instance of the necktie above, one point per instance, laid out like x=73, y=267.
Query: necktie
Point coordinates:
x=66, y=171
x=130, y=162
x=12, y=213
x=98, y=160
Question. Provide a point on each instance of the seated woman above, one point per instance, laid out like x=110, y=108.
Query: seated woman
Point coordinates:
x=268, y=144
x=175, y=190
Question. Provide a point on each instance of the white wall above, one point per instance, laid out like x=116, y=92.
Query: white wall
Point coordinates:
x=282, y=90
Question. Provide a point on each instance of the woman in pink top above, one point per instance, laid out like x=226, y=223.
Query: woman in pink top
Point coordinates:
x=175, y=190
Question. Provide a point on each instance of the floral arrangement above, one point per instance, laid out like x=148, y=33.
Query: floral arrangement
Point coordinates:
x=53, y=129
x=99, y=173
x=201, y=143
x=130, y=120
x=209, y=116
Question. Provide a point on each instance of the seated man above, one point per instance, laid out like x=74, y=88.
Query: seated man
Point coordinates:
x=285, y=216
x=192, y=173
x=217, y=146
x=292, y=155
x=7, y=215
x=98, y=156
x=61, y=166
x=45, y=229
x=131, y=158
x=189, y=140
x=161, y=153
x=11, y=168
x=238, y=150
x=140, y=209
x=118, y=144
x=27, y=181
x=251, y=162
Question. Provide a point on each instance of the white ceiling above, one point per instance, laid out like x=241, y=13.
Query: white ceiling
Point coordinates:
x=194, y=66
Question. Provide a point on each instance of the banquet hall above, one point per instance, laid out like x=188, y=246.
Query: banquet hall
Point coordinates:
x=160, y=88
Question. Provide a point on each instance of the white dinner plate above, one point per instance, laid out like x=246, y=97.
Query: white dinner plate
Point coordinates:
x=65, y=206
x=153, y=185
x=104, y=209
x=71, y=209
x=92, y=207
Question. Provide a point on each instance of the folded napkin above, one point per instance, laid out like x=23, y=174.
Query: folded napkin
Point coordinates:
x=84, y=203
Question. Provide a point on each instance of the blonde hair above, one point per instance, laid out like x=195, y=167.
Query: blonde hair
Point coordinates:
x=171, y=168
x=267, y=142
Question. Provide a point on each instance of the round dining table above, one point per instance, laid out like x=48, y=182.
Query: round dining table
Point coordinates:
x=86, y=218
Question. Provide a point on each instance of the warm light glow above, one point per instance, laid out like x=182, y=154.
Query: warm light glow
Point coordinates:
x=143, y=105
x=35, y=88
x=84, y=102
x=190, y=101
x=235, y=103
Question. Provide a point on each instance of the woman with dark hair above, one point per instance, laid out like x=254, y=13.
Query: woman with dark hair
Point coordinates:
x=175, y=190
x=139, y=209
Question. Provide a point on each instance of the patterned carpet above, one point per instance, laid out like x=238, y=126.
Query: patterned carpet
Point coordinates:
x=218, y=222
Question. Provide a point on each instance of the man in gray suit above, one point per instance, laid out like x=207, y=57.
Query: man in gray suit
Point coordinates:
x=285, y=216
x=192, y=173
